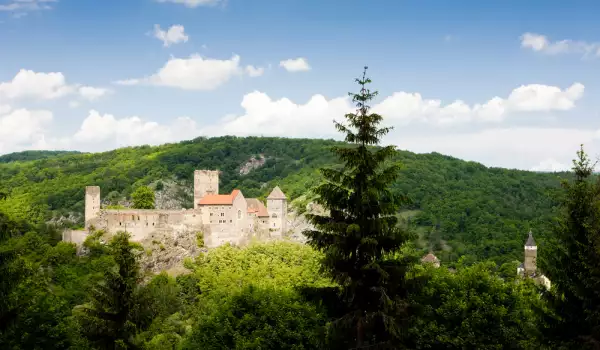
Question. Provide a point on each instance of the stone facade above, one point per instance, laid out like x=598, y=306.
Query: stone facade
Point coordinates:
x=221, y=218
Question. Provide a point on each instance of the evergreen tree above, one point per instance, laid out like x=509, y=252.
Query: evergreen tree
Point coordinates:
x=106, y=320
x=143, y=198
x=361, y=231
x=571, y=262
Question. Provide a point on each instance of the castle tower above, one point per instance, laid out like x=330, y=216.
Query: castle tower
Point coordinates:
x=205, y=182
x=277, y=208
x=92, y=203
x=530, y=264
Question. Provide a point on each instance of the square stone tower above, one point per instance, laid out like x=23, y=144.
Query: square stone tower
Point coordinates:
x=205, y=182
x=530, y=263
x=92, y=203
x=277, y=208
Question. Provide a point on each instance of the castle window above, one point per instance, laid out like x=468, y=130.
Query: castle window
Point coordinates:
x=273, y=224
x=138, y=218
x=230, y=220
x=119, y=224
x=239, y=214
x=132, y=217
x=274, y=215
x=222, y=214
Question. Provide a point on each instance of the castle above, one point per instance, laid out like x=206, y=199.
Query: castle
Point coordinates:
x=528, y=269
x=221, y=218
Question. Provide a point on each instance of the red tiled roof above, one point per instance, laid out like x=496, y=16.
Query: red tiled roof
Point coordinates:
x=219, y=199
x=256, y=206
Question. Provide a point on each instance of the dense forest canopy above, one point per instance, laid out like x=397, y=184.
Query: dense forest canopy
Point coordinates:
x=31, y=155
x=458, y=207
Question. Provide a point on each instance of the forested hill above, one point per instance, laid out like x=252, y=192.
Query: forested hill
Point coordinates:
x=458, y=207
x=31, y=155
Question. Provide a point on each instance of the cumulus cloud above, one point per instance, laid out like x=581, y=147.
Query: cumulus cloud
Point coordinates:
x=537, y=148
x=299, y=64
x=194, y=3
x=45, y=86
x=254, y=71
x=174, y=35
x=28, y=83
x=107, y=129
x=510, y=147
x=541, y=43
x=4, y=109
x=265, y=116
x=21, y=128
x=551, y=165
x=405, y=107
x=193, y=73
x=92, y=93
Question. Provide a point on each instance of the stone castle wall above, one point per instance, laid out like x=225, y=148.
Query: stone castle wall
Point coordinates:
x=219, y=224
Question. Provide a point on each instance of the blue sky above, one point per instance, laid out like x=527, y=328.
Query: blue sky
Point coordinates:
x=448, y=73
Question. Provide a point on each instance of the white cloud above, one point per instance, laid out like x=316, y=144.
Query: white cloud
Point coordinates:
x=512, y=147
x=107, y=129
x=92, y=93
x=28, y=83
x=46, y=86
x=194, y=73
x=403, y=107
x=194, y=3
x=74, y=104
x=21, y=128
x=264, y=116
x=254, y=71
x=551, y=165
x=299, y=64
x=21, y=6
x=541, y=43
x=5, y=109
x=518, y=147
x=128, y=82
x=174, y=35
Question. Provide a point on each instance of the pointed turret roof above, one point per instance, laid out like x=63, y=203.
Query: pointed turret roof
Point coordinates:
x=277, y=194
x=530, y=241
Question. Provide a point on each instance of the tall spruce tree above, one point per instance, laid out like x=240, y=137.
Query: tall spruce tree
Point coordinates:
x=106, y=321
x=361, y=231
x=571, y=260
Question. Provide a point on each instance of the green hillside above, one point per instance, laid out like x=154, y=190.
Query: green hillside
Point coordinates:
x=31, y=155
x=458, y=207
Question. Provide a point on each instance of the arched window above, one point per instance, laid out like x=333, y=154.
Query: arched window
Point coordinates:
x=239, y=214
x=274, y=215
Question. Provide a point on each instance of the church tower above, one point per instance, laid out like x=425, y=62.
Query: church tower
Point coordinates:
x=205, y=182
x=530, y=264
x=277, y=208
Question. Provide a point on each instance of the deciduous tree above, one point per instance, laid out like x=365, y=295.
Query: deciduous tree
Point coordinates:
x=143, y=198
